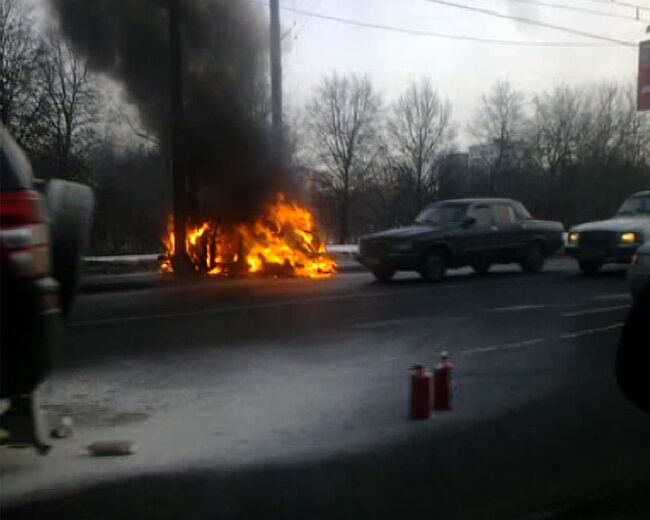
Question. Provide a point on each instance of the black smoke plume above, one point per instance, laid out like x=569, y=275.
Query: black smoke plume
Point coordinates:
x=225, y=95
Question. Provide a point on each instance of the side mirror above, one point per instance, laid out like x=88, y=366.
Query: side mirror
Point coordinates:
x=469, y=222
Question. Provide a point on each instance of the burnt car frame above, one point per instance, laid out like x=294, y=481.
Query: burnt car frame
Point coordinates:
x=611, y=241
x=476, y=232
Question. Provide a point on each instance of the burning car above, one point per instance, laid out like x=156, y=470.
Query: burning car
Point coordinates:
x=282, y=241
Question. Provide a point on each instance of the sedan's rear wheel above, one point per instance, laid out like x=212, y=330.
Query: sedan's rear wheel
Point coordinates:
x=589, y=268
x=383, y=274
x=533, y=260
x=434, y=266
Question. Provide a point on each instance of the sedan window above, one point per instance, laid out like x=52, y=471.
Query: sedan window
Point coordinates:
x=438, y=214
x=483, y=215
x=504, y=214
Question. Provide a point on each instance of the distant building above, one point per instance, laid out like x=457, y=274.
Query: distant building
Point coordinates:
x=455, y=160
x=482, y=155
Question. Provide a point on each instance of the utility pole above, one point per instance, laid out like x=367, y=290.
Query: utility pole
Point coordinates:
x=180, y=261
x=277, y=140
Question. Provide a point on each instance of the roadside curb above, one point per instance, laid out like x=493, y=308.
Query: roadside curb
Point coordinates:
x=105, y=282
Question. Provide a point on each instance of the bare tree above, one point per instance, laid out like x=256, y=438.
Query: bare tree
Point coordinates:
x=634, y=130
x=73, y=106
x=22, y=92
x=419, y=131
x=498, y=125
x=342, y=119
x=610, y=126
x=553, y=135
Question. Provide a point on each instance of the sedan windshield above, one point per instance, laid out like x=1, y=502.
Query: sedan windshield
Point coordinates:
x=438, y=214
x=639, y=205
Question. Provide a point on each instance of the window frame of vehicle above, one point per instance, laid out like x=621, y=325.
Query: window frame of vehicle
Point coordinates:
x=480, y=241
x=471, y=213
x=509, y=228
x=642, y=208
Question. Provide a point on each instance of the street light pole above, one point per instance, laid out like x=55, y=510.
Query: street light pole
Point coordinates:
x=277, y=140
x=180, y=261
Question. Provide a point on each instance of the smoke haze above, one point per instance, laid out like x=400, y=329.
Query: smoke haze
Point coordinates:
x=225, y=87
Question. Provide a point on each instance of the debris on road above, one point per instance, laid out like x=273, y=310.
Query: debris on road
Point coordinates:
x=112, y=448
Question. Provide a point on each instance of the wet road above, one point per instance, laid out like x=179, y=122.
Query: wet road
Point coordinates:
x=287, y=398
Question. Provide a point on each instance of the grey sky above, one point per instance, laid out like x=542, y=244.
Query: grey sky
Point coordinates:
x=462, y=71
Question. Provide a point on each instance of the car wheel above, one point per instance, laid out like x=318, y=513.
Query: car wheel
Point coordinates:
x=434, y=266
x=383, y=274
x=70, y=208
x=589, y=268
x=533, y=260
x=481, y=267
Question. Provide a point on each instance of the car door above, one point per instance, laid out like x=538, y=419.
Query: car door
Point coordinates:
x=480, y=239
x=509, y=231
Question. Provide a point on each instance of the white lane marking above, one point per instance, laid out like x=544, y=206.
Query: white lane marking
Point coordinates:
x=407, y=321
x=588, y=332
x=284, y=303
x=516, y=308
x=617, y=296
x=535, y=341
x=506, y=346
x=599, y=310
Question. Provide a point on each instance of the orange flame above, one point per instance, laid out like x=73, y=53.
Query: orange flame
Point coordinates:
x=284, y=241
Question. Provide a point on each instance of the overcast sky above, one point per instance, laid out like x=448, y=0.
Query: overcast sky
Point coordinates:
x=461, y=70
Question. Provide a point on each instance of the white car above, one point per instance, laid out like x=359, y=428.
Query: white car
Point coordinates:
x=611, y=241
x=638, y=275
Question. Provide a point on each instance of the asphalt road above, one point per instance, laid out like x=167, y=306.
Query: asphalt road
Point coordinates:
x=288, y=399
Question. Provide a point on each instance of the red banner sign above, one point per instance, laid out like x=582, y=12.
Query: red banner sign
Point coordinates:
x=643, y=102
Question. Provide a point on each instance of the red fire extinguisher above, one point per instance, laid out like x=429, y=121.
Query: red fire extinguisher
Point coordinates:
x=421, y=386
x=442, y=384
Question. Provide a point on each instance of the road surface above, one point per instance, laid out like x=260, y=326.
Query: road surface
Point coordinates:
x=288, y=398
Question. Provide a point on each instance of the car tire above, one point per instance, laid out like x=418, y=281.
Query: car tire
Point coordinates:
x=434, y=266
x=70, y=208
x=533, y=260
x=589, y=268
x=383, y=274
x=481, y=268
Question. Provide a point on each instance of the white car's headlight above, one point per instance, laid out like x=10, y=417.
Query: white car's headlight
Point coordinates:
x=402, y=246
x=629, y=238
x=574, y=238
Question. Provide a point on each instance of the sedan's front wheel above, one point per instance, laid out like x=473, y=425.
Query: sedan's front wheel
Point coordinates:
x=434, y=266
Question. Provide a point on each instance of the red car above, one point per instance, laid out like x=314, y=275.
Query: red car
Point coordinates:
x=41, y=240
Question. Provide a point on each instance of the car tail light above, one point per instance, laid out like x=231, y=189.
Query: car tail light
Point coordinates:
x=23, y=233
